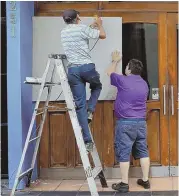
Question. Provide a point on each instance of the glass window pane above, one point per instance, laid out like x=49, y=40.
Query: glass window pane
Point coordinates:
x=140, y=41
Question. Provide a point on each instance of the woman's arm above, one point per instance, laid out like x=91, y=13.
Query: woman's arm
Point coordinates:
x=115, y=60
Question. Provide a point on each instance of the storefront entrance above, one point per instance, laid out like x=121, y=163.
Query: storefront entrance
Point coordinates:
x=150, y=34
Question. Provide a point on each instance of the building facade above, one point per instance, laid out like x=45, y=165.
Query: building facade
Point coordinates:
x=150, y=34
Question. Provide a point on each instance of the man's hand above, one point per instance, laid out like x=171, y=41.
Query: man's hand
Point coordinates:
x=97, y=24
x=116, y=56
x=94, y=25
x=98, y=21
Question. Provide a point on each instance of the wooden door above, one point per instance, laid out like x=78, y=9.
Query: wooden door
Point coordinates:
x=146, y=30
x=144, y=38
x=172, y=54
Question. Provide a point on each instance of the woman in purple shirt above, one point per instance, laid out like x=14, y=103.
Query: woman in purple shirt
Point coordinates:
x=131, y=127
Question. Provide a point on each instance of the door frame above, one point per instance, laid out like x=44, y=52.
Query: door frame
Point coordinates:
x=172, y=22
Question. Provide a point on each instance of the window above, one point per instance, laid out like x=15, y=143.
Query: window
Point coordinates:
x=140, y=41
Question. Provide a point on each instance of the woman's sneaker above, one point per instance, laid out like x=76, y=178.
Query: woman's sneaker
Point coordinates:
x=145, y=184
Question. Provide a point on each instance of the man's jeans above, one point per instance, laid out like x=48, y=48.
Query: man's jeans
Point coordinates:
x=78, y=75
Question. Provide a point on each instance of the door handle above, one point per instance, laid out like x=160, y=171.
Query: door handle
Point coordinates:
x=172, y=99
x=164, y=99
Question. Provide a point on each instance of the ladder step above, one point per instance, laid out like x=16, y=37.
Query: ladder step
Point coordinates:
x=38, y=109
x=60, y=109
x=25, y=173
x=47, y=84
x=33, y=80
x=35, y=138
x=39, y=113
x=38, y=81
x=65, y=109
x=91, y=174
x=96, y=171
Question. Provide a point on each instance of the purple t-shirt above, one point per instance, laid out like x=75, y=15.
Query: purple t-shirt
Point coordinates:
x=131, y=97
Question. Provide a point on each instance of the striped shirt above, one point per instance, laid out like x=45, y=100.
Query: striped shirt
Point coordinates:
x=75, y=41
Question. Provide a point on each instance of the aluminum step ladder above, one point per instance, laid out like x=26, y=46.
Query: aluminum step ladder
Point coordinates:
x=91, y=173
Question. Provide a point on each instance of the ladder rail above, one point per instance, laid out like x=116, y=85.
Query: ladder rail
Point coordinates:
x=30, y=130
x=90, y=173
x=43, y=120
x=77, y=129
x=98, y=170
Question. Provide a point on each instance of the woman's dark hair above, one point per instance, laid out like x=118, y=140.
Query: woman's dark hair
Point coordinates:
x=135, y=66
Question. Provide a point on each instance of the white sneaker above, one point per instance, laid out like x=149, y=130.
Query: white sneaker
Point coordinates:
x=90, y=117
x=89, y=146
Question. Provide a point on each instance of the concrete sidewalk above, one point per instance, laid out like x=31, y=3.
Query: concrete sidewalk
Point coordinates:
x=159, y=186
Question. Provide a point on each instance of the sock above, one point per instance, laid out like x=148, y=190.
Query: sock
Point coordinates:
x=124, y=167
x=145, y=164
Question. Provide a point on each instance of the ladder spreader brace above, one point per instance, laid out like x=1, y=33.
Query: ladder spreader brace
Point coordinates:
x=91, y=173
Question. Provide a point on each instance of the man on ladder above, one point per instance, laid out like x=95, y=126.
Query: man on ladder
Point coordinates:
x=75, y=40
x=78, y=74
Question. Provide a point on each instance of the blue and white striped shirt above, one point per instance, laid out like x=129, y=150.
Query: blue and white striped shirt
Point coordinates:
x=75, y=41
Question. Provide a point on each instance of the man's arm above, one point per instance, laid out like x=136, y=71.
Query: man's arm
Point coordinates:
x=102, y=34
x=98, y=24
x=115, y=60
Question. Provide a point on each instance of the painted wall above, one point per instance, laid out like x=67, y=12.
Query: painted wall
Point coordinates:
x=19, y=65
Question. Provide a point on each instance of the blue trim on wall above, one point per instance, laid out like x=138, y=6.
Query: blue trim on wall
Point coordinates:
x=19, y=66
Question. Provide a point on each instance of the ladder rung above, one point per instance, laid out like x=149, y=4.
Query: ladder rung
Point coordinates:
x=54, y=107
x=33, y=80
x=39, y=113
x=46, y=84
x=59, y=109
x=57, y=56
x=96, y=171
x=41, y=108
x=52, y=83
x=35, y=138
x=38, y=81
x=25, y=173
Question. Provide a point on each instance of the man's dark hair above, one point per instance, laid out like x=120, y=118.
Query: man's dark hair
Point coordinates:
x=69, y=21
x=70, y=16
x=135, y=66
